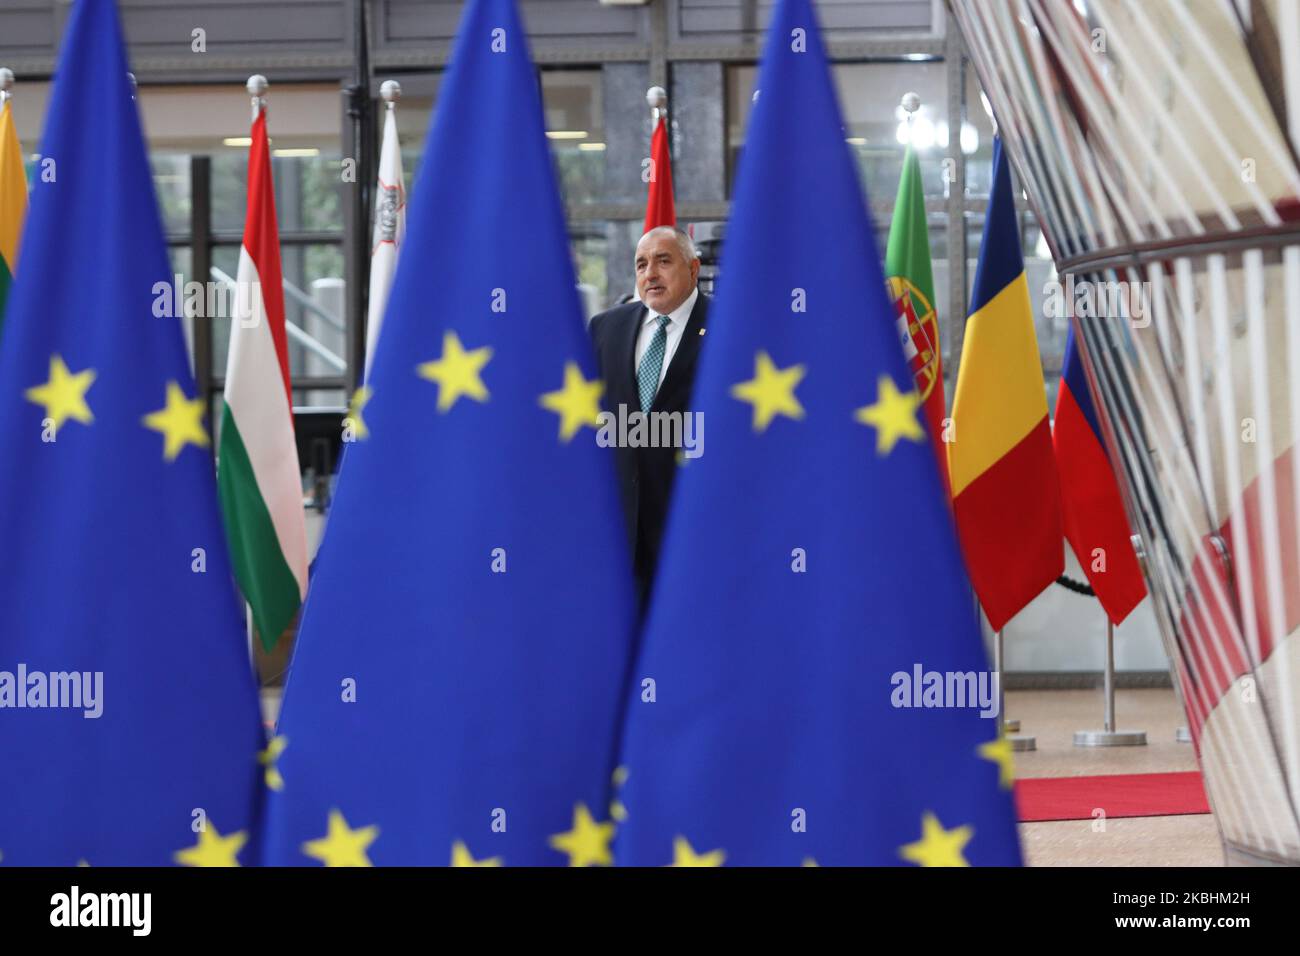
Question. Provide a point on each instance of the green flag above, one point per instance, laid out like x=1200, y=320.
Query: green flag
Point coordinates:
x=911, y=286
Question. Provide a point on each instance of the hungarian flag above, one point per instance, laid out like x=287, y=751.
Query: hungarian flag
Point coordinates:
x=911, y=287
x=257, y=470
x=1006, y=496
x=13, y=200
x=1095, y=523
x=659, y=209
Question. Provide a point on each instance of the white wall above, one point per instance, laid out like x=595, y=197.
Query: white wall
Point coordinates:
x=1063, y=631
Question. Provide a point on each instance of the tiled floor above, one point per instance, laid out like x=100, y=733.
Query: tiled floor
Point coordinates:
x=1052, y=717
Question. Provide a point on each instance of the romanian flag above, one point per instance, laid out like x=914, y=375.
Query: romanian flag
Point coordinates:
x=911, y=287
x=1095, y=523
x=1006, y=497
x=13, y=200
x=659, y=209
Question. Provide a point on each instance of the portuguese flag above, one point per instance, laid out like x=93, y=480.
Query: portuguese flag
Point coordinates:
x=257, y=468
x=911, y=287
x=13, y=201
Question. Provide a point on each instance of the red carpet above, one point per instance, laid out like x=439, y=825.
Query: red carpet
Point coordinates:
x=1121, y=795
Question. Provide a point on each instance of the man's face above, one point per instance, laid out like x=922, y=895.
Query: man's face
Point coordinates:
x=664, y=277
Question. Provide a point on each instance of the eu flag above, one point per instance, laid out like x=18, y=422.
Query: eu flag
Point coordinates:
x=811, y=629
x=457, y=686
x=129, y=730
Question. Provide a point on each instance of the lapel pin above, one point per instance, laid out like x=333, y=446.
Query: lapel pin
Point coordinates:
x=701, y=331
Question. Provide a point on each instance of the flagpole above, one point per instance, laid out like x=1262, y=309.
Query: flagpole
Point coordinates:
x=1182, y=734
x=911, y=103
x=657, y=98
x=1108, y=736
x=391, y=92
x=257, y=87
x=1019, y=742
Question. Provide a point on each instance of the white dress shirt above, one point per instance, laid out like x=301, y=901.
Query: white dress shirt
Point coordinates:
x=676, y=326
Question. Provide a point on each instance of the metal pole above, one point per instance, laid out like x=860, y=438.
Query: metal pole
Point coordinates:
x=1109, y=719
x=1010, y=728
x=200, y=269
x=257, y=87
x=997, y=666
x=359, y=144
x=1108, y=736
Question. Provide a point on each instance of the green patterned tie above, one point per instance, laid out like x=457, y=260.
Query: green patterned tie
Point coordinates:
x=652, y=363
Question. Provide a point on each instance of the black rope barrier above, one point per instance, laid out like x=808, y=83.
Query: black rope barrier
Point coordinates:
x=1078, y=587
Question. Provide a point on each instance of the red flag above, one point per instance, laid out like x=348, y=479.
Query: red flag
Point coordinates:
x=659, y=209
x=1095, y=523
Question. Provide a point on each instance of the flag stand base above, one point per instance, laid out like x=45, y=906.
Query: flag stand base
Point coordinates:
x=1020, y=744
x=1011, y=726
x=1110, y=738
x=1182, y=735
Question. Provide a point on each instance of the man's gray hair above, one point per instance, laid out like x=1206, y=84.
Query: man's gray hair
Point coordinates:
x=684, y=241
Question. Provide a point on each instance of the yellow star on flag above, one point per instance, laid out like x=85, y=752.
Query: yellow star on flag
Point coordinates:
x=267, y=758
x=577, y=402
x=457, y=373
x=771, y=391
x=999, y=751
x=64, y=395
x=181, y=422
x=355, y=407
x=588, y=842
x=342, y=845
x=212, y=849
x=937, y=846
x=460, y=856
x=893, y=416
x=685, y=855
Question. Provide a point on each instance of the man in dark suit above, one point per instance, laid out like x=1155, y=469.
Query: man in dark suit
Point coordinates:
x=647, y=352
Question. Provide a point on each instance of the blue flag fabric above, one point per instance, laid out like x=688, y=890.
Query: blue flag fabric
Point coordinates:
x=457, y=687
x=129, y=728
x=811, y=582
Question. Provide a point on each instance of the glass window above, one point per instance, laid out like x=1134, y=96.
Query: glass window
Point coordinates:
x=590, y=264
x=575, y=127
x=171, y=183
x=179, y=260
x=875, y=124
x=979, y=161
x=308, y=188
x=314, y=304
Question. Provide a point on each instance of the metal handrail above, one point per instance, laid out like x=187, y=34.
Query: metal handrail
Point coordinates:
x=308, y=342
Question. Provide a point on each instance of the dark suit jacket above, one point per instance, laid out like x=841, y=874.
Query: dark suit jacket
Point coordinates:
x=646, y=474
